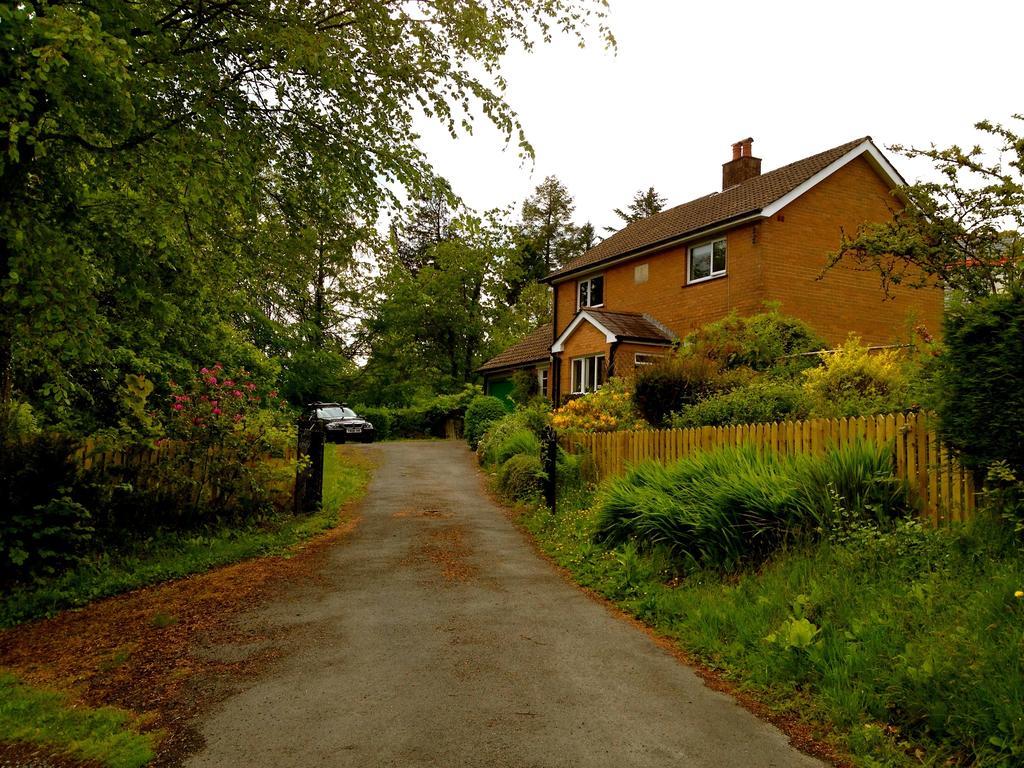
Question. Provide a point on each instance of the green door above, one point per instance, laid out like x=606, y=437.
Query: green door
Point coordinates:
x=501, y=389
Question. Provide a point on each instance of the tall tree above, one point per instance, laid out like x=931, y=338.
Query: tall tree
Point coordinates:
x=548, y=226
x=962, y=232
x=135, y=137
x=644, y=204
x=428, y=330
x=426, y=225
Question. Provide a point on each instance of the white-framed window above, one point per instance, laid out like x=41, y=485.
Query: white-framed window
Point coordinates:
x=587, y=374
x=640, y=359
x=542, y=381
x=590, y=292
x=705, y=261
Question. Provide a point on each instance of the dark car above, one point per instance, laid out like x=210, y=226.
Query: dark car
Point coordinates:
x=340, y=422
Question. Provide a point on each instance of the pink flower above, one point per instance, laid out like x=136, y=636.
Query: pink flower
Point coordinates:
x=237, y=393
x=250, y=386
x=238, y=417
x=216, y=411
x=273, y=393
x=217, y=366
x=212, y=380
x=204, y=371
x=214, y=403
x=203, y=398
x=229, y=382
x=177, y=406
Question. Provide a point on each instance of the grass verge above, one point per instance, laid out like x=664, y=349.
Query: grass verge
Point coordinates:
x=898, y=648
x=106, y=735
x=174, y=555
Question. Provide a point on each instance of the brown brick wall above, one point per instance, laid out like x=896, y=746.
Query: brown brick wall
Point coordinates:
x=780, y=261
x=845, y=300
x=665, y=295
x=625, y=356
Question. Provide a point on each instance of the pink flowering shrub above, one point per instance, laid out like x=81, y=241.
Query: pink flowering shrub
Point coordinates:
x=220, y=429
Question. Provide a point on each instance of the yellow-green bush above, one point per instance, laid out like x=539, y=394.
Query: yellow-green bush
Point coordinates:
x=854, y=381
x=609, y=409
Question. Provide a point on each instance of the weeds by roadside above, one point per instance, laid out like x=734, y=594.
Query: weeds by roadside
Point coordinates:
x=907, y=642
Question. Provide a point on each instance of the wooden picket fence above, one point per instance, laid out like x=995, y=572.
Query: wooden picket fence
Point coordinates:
x=944, y=490
x=93, y=455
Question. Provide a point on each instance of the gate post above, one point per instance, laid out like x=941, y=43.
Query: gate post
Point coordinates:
x=309, y=480
x=549, y=461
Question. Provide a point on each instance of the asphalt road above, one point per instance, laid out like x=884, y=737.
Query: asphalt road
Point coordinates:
x=437, y=637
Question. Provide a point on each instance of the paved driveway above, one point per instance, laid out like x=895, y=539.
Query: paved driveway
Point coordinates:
x=437, y=637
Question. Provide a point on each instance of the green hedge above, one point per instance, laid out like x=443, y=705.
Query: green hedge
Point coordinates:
x=483, y=411
x=426, y=419
x=981, y=380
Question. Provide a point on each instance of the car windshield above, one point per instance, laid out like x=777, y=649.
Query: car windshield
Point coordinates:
x=336, y=412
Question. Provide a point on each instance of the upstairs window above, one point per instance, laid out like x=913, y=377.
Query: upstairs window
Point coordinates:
x=590, y=292
x=707, y=261
x=587, y=374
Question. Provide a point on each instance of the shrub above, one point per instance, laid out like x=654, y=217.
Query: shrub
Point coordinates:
x=482, y=411
x=672, y=383
x=853, y=381
x=726, y=507
x=42, y=527
x=521, y=442
x=21, y=422
x=520, y=477
x=758, y=401
x=524, y=387
x=768, y=341
x=980, y=380
x=606, y=410
x=532, y=418
x=383, y=420
x=426, y=418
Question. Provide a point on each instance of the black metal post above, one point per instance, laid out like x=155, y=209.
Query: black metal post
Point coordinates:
x=309, y=481
x=549, y=460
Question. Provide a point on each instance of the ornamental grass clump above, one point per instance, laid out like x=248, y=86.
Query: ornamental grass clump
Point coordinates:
x=531, y=419
x=732, y=506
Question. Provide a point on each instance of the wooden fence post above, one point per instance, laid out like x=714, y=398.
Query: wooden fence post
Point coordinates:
x=309, y=480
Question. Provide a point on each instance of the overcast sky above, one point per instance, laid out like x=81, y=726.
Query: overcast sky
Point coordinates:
x=689, y=79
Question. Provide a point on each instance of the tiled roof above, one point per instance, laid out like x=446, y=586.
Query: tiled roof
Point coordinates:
x=632, y=326
x=741, y=200
x=534, y=348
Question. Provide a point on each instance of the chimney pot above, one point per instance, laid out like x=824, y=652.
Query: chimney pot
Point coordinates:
x=743, y=165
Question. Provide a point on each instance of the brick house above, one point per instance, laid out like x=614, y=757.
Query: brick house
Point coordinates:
x=763, y=238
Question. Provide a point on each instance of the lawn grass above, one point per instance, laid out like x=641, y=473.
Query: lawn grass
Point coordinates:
x=107, y=735
x=174, y=555
x=903, y=648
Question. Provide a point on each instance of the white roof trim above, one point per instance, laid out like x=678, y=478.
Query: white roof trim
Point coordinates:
x=559, y=344
x=874, y=156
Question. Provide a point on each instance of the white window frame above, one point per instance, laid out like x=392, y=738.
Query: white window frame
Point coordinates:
x=641, y=359
x=585, y=383
x=690, y=280
x=543, y=381
x=589, y=280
